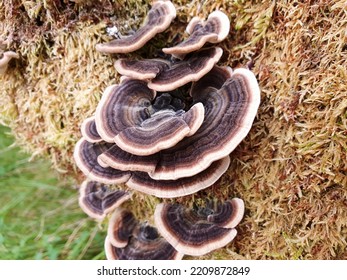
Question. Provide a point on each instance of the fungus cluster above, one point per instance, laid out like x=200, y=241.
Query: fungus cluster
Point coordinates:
x=167, y=129
x=129, y=239
x=179, y=231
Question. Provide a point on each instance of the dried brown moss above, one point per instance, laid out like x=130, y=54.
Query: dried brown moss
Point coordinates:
x=291, y=168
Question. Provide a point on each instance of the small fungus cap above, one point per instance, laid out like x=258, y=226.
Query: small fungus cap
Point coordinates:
x=188, y=70
x=86, y=158
x=158, y=249
x=121, y=106
x=195, y=23
x=215, y=29
x=158, y=19
x=97, y=200
x=89, y=131
x=120, y=227
x=117, y=158
x=188, y=231
x=145, y=69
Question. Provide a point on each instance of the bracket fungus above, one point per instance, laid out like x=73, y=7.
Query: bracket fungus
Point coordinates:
x=89, y=131
x=117, y=158
x=229, y=114
x=97, y=200
x=167, y=76
x=142, y=182
x=127, y=117
x=86, y=158
x=158, y=19
x=215, y=29
x=185, y=71
x=164, y=145
x=127, y=239
x=120, y=227
x=144, y=69
x=167, y=129
x=194, y=232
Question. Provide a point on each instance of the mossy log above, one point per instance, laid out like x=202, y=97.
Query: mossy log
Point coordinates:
x=291, y=170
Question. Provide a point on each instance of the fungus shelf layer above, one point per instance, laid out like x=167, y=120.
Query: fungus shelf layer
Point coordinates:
x=194, y=232
x=128, y=239
x=158, y=19
x=167, y=129
x=215, y=29
x=97, y=200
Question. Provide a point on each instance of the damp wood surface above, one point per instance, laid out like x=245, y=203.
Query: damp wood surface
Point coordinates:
x=291, y=169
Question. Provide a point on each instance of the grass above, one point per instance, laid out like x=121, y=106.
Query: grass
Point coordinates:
x=39, y=216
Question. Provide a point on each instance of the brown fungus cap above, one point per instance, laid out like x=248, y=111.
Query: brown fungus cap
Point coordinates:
x=215, y=29
x=89, y=131
x=140, y=123
x=117, y=158
x=120, y=227
x=98, y=161
x=86, y=158
x=139, y=241
x=120, y=106
x=158, y=19
x=189, y=231
x=145, y=69
x=97, y=200
x=142, y=182
x=187, y=70
x=229, y=114
x=142, y=249
x=167, y=76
